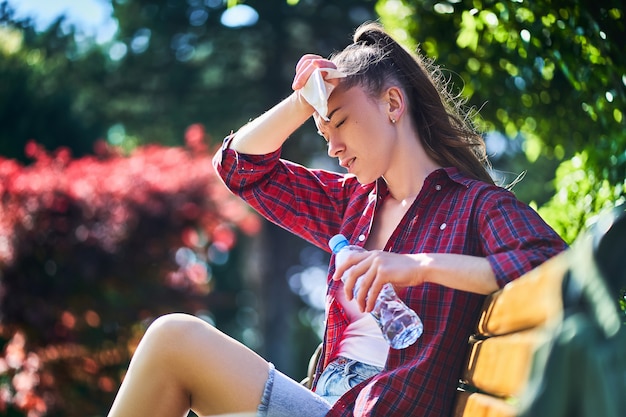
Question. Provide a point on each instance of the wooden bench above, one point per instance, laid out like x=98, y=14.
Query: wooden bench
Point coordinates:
x=514, y=323
x=539, y=339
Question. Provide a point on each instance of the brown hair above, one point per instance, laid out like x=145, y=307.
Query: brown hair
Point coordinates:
x=376, y=61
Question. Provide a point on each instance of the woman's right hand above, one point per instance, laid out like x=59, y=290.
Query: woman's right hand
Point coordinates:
x=270, y=130
x=305, y=67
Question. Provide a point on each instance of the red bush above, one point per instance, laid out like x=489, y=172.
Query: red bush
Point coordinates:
x=90, y=248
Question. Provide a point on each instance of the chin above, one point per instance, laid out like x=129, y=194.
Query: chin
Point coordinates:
x=364, y=180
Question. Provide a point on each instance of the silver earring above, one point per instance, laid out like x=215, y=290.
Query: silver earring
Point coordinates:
x=393, y=121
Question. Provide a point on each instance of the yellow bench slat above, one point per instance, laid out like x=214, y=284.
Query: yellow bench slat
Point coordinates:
x=501, y=365
x=527, y=302
x=480, y=405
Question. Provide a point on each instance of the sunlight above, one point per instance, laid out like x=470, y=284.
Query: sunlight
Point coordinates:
x=91, y=17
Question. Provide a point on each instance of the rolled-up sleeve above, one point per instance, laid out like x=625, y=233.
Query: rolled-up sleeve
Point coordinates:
x=240, y=171
x=516, y=239
x=308, y=202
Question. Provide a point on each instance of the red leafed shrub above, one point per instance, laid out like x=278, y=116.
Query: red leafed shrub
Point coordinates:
x=93, y=248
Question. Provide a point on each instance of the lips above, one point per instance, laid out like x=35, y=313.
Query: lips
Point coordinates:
x=346, y=163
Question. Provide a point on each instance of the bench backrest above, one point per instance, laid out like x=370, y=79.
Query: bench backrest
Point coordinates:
x=514, y=322
x=552, y=343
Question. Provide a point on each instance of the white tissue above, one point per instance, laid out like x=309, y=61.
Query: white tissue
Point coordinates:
x=316, y=90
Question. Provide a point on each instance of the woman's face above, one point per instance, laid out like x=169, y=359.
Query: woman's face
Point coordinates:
x=359, y=133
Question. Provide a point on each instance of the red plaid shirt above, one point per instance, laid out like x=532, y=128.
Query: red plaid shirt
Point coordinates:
x=452, y=214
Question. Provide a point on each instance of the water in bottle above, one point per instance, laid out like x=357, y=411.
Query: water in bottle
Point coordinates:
x=400, y=325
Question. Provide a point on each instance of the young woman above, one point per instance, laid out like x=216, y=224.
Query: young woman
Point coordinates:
x=418, y=196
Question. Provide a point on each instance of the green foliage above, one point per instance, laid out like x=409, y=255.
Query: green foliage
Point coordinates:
x=582, y=193
x=44, y=94
x=549, y=73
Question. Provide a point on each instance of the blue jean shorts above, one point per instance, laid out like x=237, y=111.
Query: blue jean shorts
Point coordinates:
x=341, y=375
x=284, y=397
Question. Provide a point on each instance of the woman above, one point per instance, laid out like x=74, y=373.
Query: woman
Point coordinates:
x=417, y=196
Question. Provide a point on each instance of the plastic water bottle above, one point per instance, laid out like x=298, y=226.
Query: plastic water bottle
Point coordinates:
x=400, y=325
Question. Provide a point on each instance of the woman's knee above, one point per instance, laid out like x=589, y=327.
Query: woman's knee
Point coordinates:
x=175, y=332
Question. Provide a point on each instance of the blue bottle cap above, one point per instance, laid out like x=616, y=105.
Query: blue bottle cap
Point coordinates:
x=337, y=242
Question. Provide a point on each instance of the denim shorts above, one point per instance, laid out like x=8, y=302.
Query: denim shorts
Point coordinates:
x=341, y=375
x=284, y=397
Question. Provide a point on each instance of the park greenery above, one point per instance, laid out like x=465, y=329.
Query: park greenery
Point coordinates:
x=551, y=74
x=111, y=214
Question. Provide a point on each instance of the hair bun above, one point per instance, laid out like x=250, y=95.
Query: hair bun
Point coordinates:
x=371, y=34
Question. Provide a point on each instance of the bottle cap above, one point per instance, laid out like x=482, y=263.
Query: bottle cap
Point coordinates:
x=337, y=242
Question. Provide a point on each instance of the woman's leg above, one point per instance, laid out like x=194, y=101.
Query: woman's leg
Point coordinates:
x=184, y=363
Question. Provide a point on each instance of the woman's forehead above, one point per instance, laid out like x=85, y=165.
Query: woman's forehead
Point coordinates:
x=348, y=97
x=340, y=94
x=341, y=99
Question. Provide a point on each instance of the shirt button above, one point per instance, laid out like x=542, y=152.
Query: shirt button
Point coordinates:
x=437, y=187
x=443, y=226
x=361, y=238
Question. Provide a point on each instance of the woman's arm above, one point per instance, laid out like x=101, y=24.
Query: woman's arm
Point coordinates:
x=514, y=239
x=269, y=131
x=461, y=272
x=376, y=268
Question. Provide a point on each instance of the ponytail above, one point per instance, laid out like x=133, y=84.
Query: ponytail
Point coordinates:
x=376, y=61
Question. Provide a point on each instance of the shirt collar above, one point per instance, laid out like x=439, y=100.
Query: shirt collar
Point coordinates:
x=441, y=174
x=454, y=174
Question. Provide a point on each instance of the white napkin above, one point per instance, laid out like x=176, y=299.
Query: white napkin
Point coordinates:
x=316, y=90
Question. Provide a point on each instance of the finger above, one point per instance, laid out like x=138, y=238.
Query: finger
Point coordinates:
x=366, y=278
x=380, y=265
x=303, y=74
x=305, y=68
x=306, y=58
x=372, y=295
x=350, y=282
x=341, y=268
x=317, y=62
x=349, y=271
x=376, y=278
x=352, y=279
x=350, y=259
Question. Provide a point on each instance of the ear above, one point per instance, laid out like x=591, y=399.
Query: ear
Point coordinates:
x=396, y=102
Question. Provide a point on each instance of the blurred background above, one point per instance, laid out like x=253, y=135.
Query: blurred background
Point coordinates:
x=111, y=214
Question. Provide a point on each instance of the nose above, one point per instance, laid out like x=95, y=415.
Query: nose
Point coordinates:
x=334, y=147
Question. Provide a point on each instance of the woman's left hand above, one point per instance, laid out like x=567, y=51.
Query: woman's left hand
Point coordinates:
x=375, y=268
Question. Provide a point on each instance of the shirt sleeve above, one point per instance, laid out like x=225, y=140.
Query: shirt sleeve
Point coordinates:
x=515, y=238
x=309, y=203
